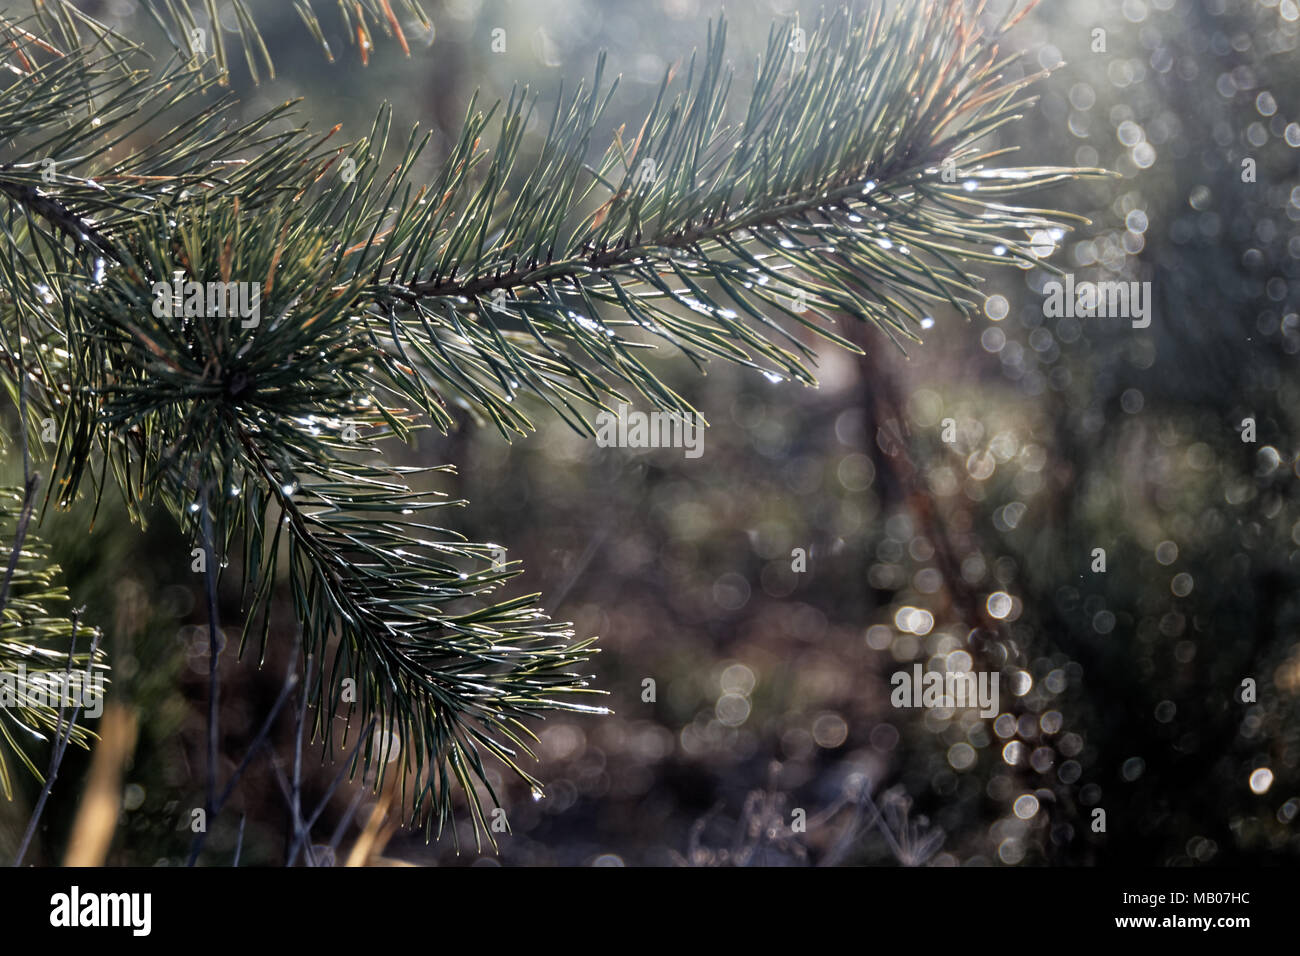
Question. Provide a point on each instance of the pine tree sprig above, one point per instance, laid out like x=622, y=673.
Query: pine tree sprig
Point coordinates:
x=853, y=184
x=41, y=672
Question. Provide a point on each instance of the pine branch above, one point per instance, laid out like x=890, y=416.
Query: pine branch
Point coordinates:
x=451, y=682
x=62, y=735
x=195, y=31
x=36, y=662
x=841, y=191
x=854, y=180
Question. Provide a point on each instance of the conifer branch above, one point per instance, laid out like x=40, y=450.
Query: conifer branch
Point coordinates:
x=853, y=180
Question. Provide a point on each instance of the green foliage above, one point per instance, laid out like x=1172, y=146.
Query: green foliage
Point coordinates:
x=38, y=634
x=523, y=274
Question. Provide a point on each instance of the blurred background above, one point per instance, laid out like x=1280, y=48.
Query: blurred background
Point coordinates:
x=771, y=686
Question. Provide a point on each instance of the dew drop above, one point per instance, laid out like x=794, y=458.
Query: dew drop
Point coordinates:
x=1261, y=780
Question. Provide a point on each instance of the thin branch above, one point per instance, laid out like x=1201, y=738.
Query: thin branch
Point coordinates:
x=627, y=254
x=296, y=822
x=59, y=748
x=214, y=653
x=290, y=682
x=334, y=784
x=295, y=802
x=58, y=215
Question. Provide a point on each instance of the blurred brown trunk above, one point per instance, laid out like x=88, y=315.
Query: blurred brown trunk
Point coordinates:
x=901, y=482
x=92, y=833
